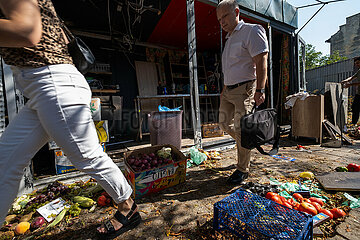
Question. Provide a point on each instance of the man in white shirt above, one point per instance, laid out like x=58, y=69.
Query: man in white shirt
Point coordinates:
x=244, y=65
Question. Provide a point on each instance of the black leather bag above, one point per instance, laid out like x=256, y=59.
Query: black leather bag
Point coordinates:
x=258, y=128
x=81, y=54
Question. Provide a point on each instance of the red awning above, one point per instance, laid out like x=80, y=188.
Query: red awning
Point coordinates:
x=171, y=30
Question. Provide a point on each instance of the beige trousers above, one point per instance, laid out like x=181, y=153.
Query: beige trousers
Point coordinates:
x=235, y=103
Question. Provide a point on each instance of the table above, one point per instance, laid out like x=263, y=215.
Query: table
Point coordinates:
x=173, y=96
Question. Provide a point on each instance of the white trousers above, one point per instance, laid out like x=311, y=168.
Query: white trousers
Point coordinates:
x=58, y=109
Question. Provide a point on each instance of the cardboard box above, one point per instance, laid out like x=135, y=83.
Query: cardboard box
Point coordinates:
x=102, y=130
x=62, y=163
x=212, y=130
x=95, y=108
x=156, y=179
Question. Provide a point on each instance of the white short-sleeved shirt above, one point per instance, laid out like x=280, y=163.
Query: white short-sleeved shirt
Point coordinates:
x=244, y=43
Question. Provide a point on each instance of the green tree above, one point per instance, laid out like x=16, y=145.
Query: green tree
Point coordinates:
x=314, y=59
x=328, y=59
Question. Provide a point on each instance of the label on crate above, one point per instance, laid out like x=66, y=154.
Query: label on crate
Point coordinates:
x=161, y=173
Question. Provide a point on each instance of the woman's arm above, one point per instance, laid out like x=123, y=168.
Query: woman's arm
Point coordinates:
x=22, y=26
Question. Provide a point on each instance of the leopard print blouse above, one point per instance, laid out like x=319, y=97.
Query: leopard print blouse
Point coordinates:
x=51, y=49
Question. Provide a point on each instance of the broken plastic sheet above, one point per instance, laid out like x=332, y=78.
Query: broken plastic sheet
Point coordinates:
x=196, y=157
x=353, y=202
x=290, y=187
x=283, y=157
x=277, y=9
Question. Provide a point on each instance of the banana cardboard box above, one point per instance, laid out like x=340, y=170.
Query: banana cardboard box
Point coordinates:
x=63, y=164
x=95, y=108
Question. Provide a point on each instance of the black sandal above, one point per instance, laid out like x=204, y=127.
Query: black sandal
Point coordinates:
x=127, y=223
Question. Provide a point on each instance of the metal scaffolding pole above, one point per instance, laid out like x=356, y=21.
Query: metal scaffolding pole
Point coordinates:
x=193, y=73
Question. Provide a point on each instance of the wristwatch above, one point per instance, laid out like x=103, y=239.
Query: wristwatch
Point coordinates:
x=261, y=90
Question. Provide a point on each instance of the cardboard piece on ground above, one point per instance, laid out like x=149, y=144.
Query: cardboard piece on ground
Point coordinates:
x=337, y=131
x=340, y=181
x=52, y=209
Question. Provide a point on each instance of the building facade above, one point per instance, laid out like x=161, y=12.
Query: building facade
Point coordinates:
x=347, y=39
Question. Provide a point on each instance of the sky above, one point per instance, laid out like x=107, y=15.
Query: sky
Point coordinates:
x=325, y=23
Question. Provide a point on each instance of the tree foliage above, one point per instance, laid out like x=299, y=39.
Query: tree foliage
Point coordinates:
x=314, y=59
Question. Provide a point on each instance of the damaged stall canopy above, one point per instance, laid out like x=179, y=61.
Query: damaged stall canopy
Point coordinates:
x=276, y=9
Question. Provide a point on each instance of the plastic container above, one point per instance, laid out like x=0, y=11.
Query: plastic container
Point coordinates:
x=165, y=128
x=250, y=216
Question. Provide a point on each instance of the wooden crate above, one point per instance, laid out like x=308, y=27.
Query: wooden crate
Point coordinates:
x=307, y=117
x=212, y=130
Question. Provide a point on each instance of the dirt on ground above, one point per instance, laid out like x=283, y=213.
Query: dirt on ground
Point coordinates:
x=186, y=211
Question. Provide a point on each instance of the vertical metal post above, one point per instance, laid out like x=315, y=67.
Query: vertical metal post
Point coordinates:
x=298, y=62
x=271, y=77
x=14, y=102
x=194, y=90
x=303, y=52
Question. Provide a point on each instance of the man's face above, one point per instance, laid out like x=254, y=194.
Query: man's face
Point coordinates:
x=357, y=63
x=228, y=18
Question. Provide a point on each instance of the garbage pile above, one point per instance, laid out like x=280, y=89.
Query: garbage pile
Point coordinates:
x=40, y=211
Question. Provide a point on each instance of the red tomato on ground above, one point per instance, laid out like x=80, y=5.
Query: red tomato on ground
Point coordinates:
x=307, y=208
x=298, y=197
x=287, y=204
x=269, y=195
x=317, y=206
x=318, y=200
x=352, y=167
x=101, y=201
x=337, y=212
x=327, y=212
x=277, y=199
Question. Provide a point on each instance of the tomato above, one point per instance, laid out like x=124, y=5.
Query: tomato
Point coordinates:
x=307, y=208
x=352, y=167
x=296, y=205
x=307, y=200
x=293, y=203
x=316, y=205
x=287, y=204
x=318, y=200
x=101, y=201
x=105, y=194
x=276, y=198
x=269, y=195
x=327, y=212
x=283, y=199
x=298, y=197
x=337, y=213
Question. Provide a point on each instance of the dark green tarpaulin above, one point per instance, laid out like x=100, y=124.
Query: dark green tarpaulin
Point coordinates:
x=278, y=10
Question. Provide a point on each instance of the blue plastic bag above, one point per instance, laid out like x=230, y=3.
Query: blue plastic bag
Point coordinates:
x=166, y=109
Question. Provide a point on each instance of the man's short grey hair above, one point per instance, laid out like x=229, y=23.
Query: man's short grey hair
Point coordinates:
x=232, y=4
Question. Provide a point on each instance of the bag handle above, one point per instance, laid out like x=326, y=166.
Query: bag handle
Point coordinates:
x=275, y=147
x=66, y=30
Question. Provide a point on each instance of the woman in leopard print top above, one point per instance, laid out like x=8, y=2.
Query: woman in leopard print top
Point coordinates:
x=58, y=108
x=50, y=50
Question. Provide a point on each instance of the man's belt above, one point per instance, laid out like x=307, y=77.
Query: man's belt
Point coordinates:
x=238, y=84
